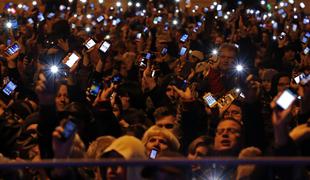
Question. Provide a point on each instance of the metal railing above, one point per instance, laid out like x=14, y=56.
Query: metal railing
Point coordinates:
x=282, y=161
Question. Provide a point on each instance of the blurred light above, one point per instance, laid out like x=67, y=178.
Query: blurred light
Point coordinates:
x=54, y=69
x=193, y=11
x=281, y=4
x=225, y=16
x=295, y=17
x=239, y=68
x=83, y=1
x=291, y=1
x=88, y=16
x=263, y=2
x=238, y=90
x=129, y=3
x=274, y=38
x=215, y=17
x=214, y=3
x=75, y=15
x=212, y=7
x=237, y=46
x=9, y=25
x=239, y=2
x=20, y=6
x=107, y=37
x=196, y=7
x=269, y=14
x=219, y=7
x=295, y=9
x=251, y=11
x=70, y=1
x=302, y=5
x=100, y=1
x=110, y=17
x=138, y=4
x=175, y=22
x=87, y=29
x=214, y=51
x=118, y=4
x=34, y=3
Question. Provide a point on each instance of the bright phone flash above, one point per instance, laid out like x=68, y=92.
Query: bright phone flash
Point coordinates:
x=9, y=25
x=239, y=68
x=214, y=52
x=54, y=69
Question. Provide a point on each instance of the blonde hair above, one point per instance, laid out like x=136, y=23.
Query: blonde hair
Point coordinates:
x=173, y=142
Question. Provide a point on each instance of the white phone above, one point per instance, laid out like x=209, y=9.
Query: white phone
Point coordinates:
x=286, y=99
x=73, y=58
x=105, y=46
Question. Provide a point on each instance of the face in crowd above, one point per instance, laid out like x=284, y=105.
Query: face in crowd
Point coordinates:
x=226, y=58
x=228, y=133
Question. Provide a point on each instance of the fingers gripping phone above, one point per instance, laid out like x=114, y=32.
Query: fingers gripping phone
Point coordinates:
x=69, y=128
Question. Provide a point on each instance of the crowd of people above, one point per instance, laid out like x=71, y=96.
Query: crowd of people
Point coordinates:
x=82, y=80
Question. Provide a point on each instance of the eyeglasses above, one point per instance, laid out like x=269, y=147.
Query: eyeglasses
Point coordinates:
x=166, y=126
x=229, y=130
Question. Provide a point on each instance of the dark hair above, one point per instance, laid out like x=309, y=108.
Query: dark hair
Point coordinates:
x=162, y=112
x=274, y=82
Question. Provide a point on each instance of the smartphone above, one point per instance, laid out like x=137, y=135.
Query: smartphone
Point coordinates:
x=304, y=40
x=90, y=43
x=62, y=7
x=153, y=154
x=275, y=25
x=25, y=7
x=72, y=59
x=117, y=79
x=95, y=89
x=307, y=34
x=164, y=51
x=155, y=73
x=282, y=35
x=9, y=88
x=40, y=17
x=69, y=128
x=298, y=78
x=30, y=20
x=306, y=50
x=286, y=99
x=100, y=18
x=209, y=100
x=306, y=21
x=294, y=27
x=182, y=51
x=199, y=24
x=73, y=26
x=143, y=63
x=148, y=56
x=50, y=15
x=12, y=49
x=105, y=46
x=184, y=38
x=138, y=36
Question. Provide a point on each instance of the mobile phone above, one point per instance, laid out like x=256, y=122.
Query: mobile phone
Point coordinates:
x=209, y=100
x=282, y=35
x=199, y=24
x=164, y=51
x=72, y=59
x=307, y=34
x=143, y=63
x=286, y=99
x=153, y=154
x=300, y=77
x=275, y=25
x=148, y=56
x=100, y=18
x=30, y=20
x=62, y=7
x=50, y=15
x=40, y=17
x=155, y=73
x=69, y=128
x=184, y=38
x=294, y=27
x=138, y=36
x=12, y=49
x=90, y=43
x=304, y=40
x=306, y=21
x=105, y=46
x=73, y=26
x=117, y=79
x=9, y=88
x=182, y=51
x=25, y=7
x=306, y=50
x=95, y=88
